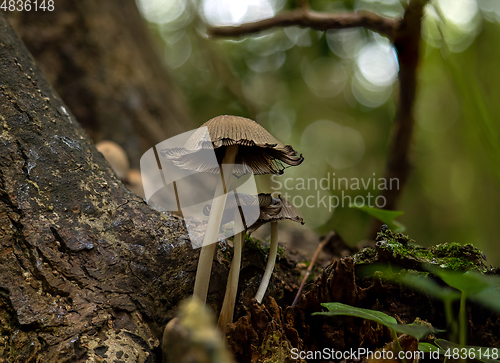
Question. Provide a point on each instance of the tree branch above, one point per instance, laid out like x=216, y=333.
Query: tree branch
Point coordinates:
x=314, y=20
x=407, y=44
x=404, y=34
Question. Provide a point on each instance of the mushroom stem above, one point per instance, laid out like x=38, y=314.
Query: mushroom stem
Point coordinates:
x=227, y=311
x=214, y=220
x=271, y=260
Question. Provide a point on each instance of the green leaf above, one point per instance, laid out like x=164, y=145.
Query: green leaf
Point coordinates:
x=429, y=286
x=469, y=282
x=415, y=281
x=489, y=297
x=336, y=308
x=385, y=216
x=415, y=330
x=428, y=348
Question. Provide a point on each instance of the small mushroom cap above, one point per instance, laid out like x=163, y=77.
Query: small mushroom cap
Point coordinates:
x=258, y=149
x=115, y=156
x=268, y=205
x=134, y=182
x=268, y=214
x=232, y=202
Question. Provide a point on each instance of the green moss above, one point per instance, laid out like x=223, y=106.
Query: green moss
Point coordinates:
x=257, y=245
x=388, y=235
x=253, y=243
x=365, y=256
x=400, y=249
x=454, y=256
x=395, y=248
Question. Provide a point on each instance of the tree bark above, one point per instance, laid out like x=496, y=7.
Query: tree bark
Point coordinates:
x=87, y=270
x=86, y=267
x=99, y=57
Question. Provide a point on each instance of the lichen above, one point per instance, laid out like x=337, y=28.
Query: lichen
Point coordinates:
x=275, y=349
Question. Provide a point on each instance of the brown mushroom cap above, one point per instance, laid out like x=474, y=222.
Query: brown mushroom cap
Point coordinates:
x=232, y=202
x=268, y=214
x=270, y=209
x=115, y=156
x=269, y=205
x=134, y=182
x=258, y=149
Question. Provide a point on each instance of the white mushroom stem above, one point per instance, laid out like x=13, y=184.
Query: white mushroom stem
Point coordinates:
x=271, y=260
x=227, y=311
x=214, y=220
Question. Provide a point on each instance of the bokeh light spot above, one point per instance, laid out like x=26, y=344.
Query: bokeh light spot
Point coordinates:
x=459, y=12
x=339, y=146
x=161, y=11
x=230, y=12
x=325, y=77
x=378, y=64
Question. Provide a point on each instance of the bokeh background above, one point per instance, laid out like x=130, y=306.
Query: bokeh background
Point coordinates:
x=333, y=95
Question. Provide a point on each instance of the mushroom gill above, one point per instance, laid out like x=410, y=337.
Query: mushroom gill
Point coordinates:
x=258, y=149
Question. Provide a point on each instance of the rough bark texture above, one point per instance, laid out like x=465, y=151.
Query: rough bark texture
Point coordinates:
x=99, y=57
x=88, y=272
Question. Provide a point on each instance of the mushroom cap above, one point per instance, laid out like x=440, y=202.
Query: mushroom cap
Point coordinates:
x=134, y=182
x=232, y=202
x=258, y=149
x=268, y=213
x=115, y=156
x=269, y=206
x=272, y=209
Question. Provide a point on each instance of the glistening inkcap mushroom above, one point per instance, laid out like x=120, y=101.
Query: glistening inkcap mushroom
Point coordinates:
x=267, y=206
x=287, y=211
x=235, y=140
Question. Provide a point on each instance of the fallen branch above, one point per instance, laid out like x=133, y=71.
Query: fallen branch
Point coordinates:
x=322, y=244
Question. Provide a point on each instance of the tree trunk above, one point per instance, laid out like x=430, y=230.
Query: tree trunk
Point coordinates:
x=99, y=57
x=86, y=267
x=87, y=270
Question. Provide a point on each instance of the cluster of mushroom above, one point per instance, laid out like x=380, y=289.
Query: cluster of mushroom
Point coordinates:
x=236, y=141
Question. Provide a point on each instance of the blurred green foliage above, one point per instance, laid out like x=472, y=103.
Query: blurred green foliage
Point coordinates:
x=333, y=96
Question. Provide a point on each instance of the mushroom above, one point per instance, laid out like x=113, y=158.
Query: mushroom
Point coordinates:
x=233, y=201
x=193, y=337
x=235, y=140
x=267, y=206
x=134, y=182
x=115, y=156
x=287, y=211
